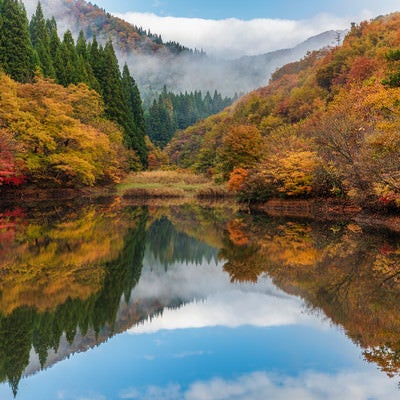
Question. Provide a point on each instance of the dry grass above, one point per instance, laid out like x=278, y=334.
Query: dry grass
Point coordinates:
x=165, y=178
x=170, y=184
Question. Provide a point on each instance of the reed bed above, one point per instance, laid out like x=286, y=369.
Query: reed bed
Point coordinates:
x=170, y=184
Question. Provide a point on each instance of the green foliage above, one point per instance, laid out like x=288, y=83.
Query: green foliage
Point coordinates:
x=393, y=78
x=173, y=112
x=69, y=63
x=41, y=42
x=135, y=116
x=169, y=246
x=26, y=327
x=16, y=52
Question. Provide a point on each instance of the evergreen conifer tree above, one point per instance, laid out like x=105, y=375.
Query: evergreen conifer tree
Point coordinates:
x=16, y=52
x=54, y=40
x=135, y=116
x=95, y=53
x=84, y=67
x=66, y=62
x=111, y=87
x=41, y=42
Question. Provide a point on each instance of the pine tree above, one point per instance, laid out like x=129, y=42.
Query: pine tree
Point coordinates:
x=135, y=114
x=111, y=87
x=84, y=67
x=178, y=111
x=41, y=42
x=16, y=52
x=54, y=40
x=81, y=46
x=67, y=66
x=96, y=60
x=160, y=127
x=106, y=69
x=153, y=125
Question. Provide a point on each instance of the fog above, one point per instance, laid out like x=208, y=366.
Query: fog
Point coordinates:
x=188, y=71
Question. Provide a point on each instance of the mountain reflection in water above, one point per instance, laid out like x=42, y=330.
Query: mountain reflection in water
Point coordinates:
x=261, y=304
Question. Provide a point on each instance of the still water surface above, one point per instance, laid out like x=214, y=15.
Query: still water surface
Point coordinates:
x=106, y=301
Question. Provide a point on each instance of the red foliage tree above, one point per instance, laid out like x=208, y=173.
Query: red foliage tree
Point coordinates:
x=9, y=171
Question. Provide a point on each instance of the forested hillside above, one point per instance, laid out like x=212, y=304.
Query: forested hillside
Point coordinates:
x=156, y=63
x=76, y=15
x=172, y=112
x=68, y=116
x=328, y=125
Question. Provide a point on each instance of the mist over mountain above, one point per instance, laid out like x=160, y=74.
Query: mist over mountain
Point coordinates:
x=155, y=63
x=258, y=69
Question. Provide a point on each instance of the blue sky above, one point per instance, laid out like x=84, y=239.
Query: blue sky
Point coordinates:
x=231, y=29
x=250, y=9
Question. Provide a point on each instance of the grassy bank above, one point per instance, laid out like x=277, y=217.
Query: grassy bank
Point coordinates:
x=170, y=184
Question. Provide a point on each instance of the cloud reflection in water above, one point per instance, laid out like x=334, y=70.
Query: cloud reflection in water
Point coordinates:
x=210, y=299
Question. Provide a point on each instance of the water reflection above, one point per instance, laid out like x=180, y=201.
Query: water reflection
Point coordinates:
x=62, y=274
x=74, y=276
x=261, y=385
x=208, y=299
x=167, y=245
x=351, y=273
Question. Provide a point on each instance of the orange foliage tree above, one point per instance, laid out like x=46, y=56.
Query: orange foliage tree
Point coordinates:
x=62, y=137
x=241, y=148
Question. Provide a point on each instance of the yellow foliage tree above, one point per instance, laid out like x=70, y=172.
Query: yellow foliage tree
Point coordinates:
x=64, y=139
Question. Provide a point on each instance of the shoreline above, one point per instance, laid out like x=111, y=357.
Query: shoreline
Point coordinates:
x=329, y=210
x=319, y=209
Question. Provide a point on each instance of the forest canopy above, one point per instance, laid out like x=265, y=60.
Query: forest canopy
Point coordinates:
x=68, y=115
x=327, y=125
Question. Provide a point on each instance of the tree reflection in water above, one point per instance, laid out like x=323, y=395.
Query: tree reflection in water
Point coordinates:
x=351, y=273
x=62, y=275
x=64, y=271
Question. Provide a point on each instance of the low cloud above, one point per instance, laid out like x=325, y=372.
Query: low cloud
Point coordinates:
x=232, y=38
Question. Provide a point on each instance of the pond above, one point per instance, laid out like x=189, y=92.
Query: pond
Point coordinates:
x=112, y=301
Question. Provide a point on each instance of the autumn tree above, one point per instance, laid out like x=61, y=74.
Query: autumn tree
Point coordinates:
x=241, y=147
x=383, y=145
x=341, y=133
x=10, y=171
x=62, y=139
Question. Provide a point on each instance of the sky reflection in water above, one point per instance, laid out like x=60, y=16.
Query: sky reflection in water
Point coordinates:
x=214, y=340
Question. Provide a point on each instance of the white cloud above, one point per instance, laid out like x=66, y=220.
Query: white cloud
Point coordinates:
x=186, y=354
x=231, y=309
x=212, y=300
x=231, y=38
x=261, y=386
x=92, y=397
x=171, y=392
x=310, y=386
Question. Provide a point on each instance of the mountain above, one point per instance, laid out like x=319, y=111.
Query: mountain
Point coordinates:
x=325, y=126
x=77, y=15
x=155, y=63
x=258, y=69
